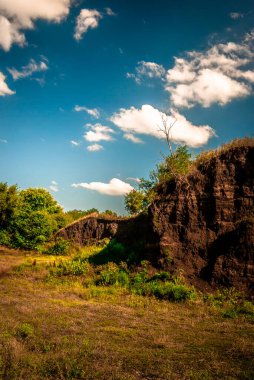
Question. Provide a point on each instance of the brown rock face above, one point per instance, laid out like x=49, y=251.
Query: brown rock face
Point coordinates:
x=202, y=225
x=205, y=223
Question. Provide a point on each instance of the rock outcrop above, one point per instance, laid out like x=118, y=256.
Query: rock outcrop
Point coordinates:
x=202, y=225
x=205, y=223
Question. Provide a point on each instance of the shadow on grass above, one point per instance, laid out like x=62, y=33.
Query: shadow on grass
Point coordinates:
x=117, y=252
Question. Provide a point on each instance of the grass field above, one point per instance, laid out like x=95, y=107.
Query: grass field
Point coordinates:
x=66, y=327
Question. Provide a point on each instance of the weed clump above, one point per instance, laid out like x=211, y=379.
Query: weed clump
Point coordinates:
x=59, y=247
x=25, y=330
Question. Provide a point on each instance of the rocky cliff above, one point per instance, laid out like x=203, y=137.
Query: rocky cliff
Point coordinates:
x=202, y=224
x=205, y=223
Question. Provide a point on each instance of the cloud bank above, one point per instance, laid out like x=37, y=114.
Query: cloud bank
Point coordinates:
x=115, y=187
x=149, y=120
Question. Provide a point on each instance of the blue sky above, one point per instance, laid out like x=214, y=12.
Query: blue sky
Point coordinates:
x=85, y=85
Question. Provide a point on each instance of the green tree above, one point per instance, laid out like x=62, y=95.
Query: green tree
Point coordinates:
x=31, y=229
x=39, y=200
x=9, y=199
x=134, y=201
x=38, y=216
x=175, y=165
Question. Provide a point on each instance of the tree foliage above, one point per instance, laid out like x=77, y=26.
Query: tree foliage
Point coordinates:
x=173, y=166
x=28, y=218
x=8, y=203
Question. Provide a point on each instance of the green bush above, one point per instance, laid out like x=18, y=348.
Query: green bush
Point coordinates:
x=60, y=247
x=112, y=274
x=78, y=266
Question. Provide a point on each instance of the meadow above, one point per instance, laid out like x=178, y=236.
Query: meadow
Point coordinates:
x=70, y=317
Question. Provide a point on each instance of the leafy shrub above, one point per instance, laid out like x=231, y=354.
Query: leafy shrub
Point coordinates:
x=75, y=267
x=60, y=247
x=221, y=297
x=112, y=274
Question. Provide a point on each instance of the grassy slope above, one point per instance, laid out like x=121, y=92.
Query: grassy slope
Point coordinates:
x=106, y=333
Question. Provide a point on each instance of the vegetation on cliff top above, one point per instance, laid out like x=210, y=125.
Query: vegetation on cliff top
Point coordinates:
x=176, y=165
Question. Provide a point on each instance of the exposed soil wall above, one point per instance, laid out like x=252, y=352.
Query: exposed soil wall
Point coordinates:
x=202, y=225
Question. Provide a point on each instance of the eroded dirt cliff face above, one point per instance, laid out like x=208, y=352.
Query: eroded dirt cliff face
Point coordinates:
x=202, y=225
x=205, y=223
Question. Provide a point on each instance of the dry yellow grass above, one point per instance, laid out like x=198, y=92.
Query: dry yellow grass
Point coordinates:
x=61, y=330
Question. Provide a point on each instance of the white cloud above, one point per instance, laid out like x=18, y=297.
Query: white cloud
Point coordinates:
x=74, y=143
x=10, y=34
x=236, y=15
x=115, y=187
x=54, y=186
x=147, y=70
x=148, y=121
x=28, y=70
x=18, y=15
x=87, y=19
x=94, y=147
x=3, y=141
x=218, y=75
x=91, y=111
x=134, y=139
x=98, y=132
x=4, y=89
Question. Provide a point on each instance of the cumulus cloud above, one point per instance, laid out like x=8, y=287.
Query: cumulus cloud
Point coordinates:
x=98, y=133
x=87, y=19
x=91, y=111
x=147, y=70
x=3, y=141
x=19, y=15
x=115, y=187
x=54, y=186
x=28, y=70
x=74, y=143
x=149, y=121
x=4, y=89
x=218, y=75
x=94, y=147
